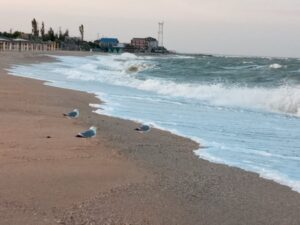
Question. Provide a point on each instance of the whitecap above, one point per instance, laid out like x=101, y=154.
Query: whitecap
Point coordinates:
x=275, y=66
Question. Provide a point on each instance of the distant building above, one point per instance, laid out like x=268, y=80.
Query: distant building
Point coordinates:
x=107, y=44
x=4, y=43
x=20, y=44
x=119, y=48
x=129, y=48
x=26, y=36
x=148, y=44
x=139, y=43
x=152, y=43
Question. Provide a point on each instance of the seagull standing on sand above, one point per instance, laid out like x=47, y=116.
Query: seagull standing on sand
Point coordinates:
x=91, y=132
x=143, y=128
x=72, y=114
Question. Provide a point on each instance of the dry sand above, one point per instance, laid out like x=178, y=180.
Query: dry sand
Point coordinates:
x=119, y=177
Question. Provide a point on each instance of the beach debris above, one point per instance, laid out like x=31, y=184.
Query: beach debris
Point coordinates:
x=73, y=114
x=143, y=128
x=48, y=137
x=91, y=132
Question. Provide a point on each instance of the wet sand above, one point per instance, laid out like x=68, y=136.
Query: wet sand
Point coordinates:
x=48, y=176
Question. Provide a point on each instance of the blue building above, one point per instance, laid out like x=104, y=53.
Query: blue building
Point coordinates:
x=108, y=43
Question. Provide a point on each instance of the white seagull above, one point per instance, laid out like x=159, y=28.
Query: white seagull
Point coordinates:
x=143, y=128
x=72, y=114
x=91, y=132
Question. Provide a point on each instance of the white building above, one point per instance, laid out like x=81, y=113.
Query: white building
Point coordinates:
x=19, y=44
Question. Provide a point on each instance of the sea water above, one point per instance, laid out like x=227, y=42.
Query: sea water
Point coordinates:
x=244, y=111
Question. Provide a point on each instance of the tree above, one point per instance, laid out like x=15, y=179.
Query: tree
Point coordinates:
x=81, y=30
x=35, y=30
x=43, y=30
x=66, y=34
x=16, y=34
x=10, y=34
x=51, y=34
x=60, y=35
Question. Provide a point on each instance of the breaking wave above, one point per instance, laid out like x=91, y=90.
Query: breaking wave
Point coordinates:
x=275, y=66
x=136, y=68
x=126, y=70
x=284, y=99
x=112, y=70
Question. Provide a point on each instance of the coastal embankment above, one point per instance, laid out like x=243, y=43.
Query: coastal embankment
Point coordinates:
x=48, y=176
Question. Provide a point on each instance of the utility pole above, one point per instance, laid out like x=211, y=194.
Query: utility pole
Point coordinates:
x=161, y=34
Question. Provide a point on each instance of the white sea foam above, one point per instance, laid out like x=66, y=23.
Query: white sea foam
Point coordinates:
x=122, y=70
x=285, y=99
x=112, y=70
x=279, y=178
x=97, y=106
x=263, y=172
x=247, y=62
x=275, y=66
x=127, y=56
x=182, y=57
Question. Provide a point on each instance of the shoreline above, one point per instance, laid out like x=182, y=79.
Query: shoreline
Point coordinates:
x=177, y=186
x=281, y=180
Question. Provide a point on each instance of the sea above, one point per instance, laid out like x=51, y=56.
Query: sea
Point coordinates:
x=244, y=111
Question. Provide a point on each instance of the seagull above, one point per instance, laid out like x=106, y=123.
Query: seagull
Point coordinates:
x=143, y=128
x=91, y=132
x=72, y=114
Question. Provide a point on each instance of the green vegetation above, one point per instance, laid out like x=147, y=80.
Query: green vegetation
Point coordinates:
x=39, y=33
x=81, y=30
x=16, y=34
x=43, y=31
x=35, y=30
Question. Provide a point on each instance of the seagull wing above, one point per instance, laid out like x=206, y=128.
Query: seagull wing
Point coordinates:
x=73, y=114
x=143, y=128
x=87, y=134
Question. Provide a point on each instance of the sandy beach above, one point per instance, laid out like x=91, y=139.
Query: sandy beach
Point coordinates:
x=48, y=176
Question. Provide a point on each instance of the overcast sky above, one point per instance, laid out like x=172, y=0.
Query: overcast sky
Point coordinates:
x=234, y=27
